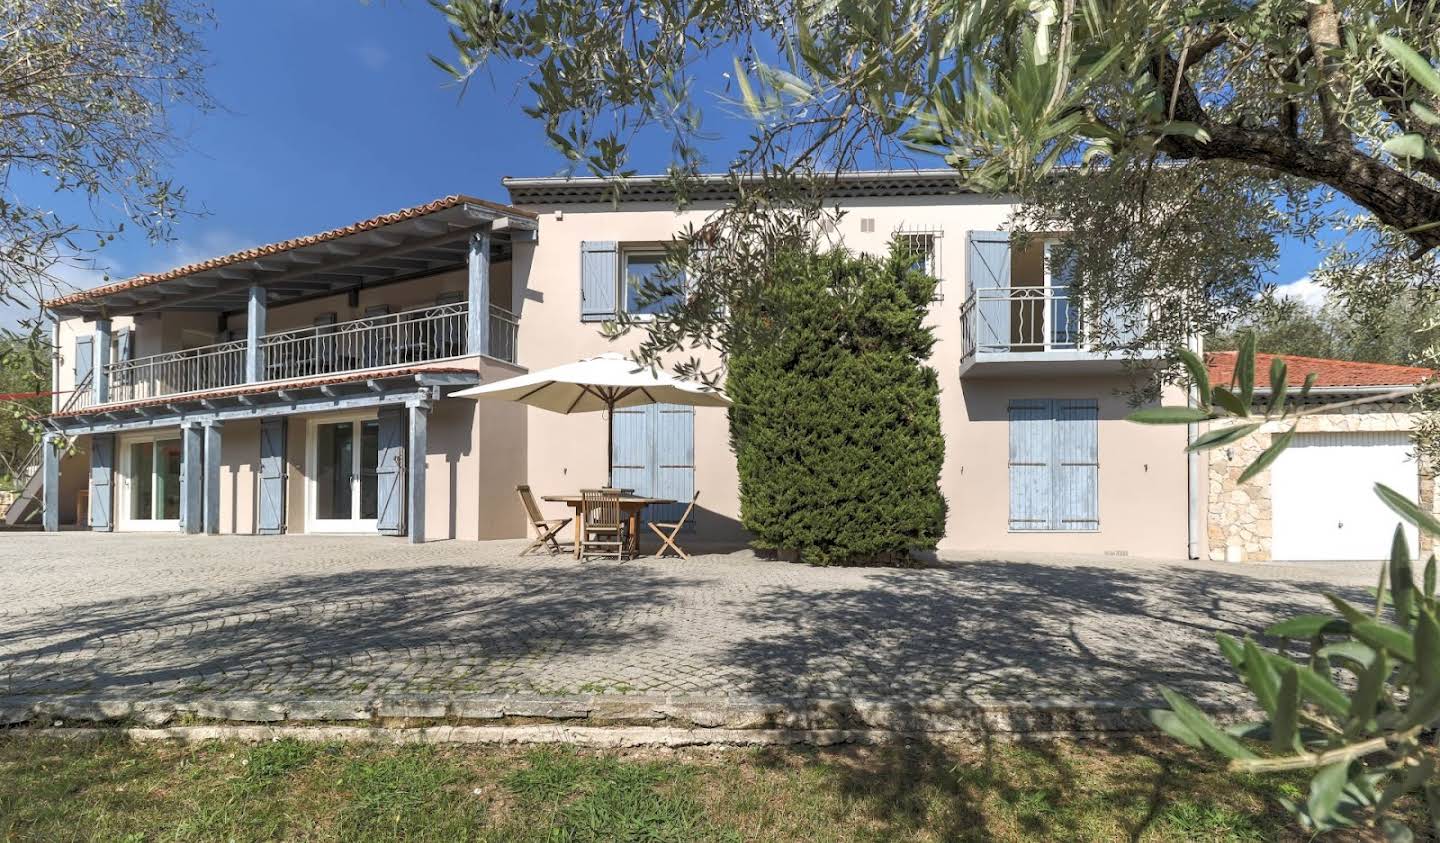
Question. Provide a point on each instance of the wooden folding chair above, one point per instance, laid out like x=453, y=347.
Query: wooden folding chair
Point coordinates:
x=547, y=530
x=602, y=524
x=668, y=541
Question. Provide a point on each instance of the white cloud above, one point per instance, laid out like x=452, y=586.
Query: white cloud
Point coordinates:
x=73, y=275
x=214, y=243
x=373, y=56
x=23, y=302
x=1306, y=290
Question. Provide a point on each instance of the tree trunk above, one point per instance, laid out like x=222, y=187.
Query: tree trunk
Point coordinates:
x=1396, y=199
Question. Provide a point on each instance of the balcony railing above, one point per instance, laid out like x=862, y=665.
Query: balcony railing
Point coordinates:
x=82, y=396
x=504, y=334
x=1026, y=319
x=174, y=372
x=397, y=339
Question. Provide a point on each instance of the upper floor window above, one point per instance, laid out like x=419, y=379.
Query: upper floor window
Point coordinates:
x=633, y=280
x=648, y=292
x=924, y=245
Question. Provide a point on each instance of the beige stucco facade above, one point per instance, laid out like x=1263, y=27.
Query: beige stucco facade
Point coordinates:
x=478, y=452
x=1143, y=481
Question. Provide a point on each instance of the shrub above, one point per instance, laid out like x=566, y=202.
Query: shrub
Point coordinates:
x=836, y=419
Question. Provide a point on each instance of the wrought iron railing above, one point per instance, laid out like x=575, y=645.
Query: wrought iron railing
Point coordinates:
x=1025, y=319
x=82, y=396
x=504, y=334
x=1002, y=319
x=395, y=339
x=175, y=372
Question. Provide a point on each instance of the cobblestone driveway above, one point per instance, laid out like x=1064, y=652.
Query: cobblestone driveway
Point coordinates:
x=134, y=616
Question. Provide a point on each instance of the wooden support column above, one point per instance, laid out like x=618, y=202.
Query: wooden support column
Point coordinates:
x=415, y=474
x=211, y=493
x=101, y=349
x=479, y=293
x=50, y=495
x=254, y=330
x=192, y=484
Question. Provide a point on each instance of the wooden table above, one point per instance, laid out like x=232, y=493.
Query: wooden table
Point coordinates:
x=632, y=505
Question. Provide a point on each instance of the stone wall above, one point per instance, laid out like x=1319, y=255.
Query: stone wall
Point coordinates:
x=1241, y=515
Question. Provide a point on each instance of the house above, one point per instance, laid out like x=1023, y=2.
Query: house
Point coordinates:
x=284, y=389
x=1316, y=501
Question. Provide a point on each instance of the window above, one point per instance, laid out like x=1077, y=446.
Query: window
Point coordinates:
x=924, y=244
x=629, y=280
x=1054, y=465
x=648, y=291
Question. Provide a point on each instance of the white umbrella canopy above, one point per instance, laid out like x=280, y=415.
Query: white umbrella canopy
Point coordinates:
x=598, y=384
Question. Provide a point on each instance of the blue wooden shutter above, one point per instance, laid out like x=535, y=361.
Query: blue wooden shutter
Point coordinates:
x=1076, y=474
x=270, y=513
x=674, y=460
x=390, y=472
x=125, y=347
x=102, y=473
x=987, y=278
x=630, y=455
x=599, y=284
x=654, y=454
x=1031, y=440
x=84, y=358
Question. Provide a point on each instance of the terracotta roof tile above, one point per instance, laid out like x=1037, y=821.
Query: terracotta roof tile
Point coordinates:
x=271, y=386
x=1332, y=373
x=284, y=246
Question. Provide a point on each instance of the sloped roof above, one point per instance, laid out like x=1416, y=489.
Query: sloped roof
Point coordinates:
x=402, y=215
x=1331, y=373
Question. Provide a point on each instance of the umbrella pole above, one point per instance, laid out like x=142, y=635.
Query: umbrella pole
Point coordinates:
x=610, y=446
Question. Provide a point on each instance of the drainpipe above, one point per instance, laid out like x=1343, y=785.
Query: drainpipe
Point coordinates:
x=1195, y=496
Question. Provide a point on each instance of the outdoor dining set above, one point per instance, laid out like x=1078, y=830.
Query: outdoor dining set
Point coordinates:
x=606, y=519
x=607, y=524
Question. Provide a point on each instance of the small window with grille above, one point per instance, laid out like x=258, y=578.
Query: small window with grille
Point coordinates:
x=924, y=243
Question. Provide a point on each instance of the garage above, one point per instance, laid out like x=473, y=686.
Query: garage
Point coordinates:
x=1323, y=500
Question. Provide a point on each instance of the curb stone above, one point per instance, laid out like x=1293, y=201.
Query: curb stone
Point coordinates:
x=690, y=719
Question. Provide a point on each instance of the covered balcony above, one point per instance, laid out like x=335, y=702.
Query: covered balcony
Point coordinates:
x=422, y=335
x=428, y=284
x=1021, y=317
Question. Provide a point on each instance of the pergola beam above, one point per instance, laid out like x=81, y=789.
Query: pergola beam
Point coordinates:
x=239, y=284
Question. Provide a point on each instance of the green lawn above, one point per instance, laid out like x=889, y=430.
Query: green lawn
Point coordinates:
x=111, y=790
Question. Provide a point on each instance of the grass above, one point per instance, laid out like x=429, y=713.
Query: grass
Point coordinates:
x=110, y=790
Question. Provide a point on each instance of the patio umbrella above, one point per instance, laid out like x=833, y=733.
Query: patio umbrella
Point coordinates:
x=595, y=384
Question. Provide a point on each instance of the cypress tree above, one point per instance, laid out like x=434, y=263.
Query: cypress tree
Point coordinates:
x=836, y=417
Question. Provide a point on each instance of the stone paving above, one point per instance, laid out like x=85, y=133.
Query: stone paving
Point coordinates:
x=294, y=617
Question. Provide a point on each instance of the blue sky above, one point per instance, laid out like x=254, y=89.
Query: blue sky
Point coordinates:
x=331, y=112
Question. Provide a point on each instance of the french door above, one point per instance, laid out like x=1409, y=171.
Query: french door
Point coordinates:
x=342, y=480
x=150, y=482
x=1062, y=314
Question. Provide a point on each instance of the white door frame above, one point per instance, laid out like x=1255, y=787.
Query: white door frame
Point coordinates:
x=1049, y=308
x=123, y=521
x=354, y=524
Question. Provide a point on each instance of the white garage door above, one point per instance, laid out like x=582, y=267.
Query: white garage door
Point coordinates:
x=1322, y=491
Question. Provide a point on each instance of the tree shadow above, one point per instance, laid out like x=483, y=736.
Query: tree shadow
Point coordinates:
x=421, y=628
x=1010, y=631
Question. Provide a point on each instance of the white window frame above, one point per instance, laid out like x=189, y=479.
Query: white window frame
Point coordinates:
x=126, y=476
x=932, y=235
x=622, y=295
x=313, y=523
